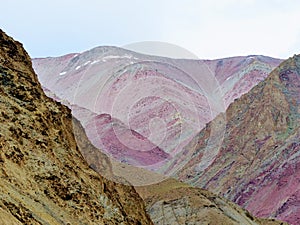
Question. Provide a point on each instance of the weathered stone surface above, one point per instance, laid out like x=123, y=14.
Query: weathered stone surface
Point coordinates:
x=172, y=202
x=44, y=179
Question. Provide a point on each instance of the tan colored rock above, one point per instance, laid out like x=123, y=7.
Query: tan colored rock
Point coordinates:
x=44, y=179
x=173, y=202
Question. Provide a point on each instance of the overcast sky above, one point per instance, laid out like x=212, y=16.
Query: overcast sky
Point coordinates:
x=208, y=28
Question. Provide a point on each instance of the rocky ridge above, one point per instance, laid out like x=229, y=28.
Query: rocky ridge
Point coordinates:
x=257, y=165
x=44, y=179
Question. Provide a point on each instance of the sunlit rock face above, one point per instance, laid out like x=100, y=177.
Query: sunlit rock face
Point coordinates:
x=44, y=178
x=162, y=103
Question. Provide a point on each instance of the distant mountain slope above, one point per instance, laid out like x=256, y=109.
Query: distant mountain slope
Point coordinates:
x=166, y=101
x=110, y=134
x=257, y=165
x=43, y=177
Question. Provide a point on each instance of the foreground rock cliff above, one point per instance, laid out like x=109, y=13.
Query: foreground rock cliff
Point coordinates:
x=43, y=177
x=257, y=165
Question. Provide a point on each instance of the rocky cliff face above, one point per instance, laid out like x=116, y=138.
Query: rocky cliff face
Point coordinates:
x=257, y=165
x=44, y=179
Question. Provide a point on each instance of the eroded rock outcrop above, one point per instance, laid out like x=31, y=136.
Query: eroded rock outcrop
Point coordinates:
x=44, y=179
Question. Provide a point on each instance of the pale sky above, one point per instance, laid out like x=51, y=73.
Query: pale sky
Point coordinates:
x=207, y=28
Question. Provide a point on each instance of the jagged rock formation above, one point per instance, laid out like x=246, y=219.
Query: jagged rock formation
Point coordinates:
x=257, y=165
x=44, y=179
x=166, y=101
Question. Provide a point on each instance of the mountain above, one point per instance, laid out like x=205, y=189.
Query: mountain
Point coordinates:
x=169, y=201
x=44, y=179
x=257, y=163
x=162, y=103
x=110, y=134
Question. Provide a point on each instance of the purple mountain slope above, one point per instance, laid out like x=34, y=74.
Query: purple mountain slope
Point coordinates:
x=166, y=101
